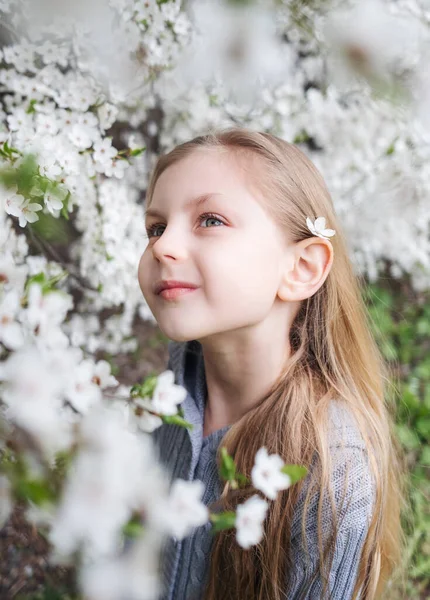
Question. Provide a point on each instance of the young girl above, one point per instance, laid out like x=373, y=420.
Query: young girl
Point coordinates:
x=269, y=336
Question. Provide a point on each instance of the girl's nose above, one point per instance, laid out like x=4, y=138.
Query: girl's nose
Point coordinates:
x=170, y=245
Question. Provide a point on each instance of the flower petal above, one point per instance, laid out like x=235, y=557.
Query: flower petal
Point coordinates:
x=320, y=224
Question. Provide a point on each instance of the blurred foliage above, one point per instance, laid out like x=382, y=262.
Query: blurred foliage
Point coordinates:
x=49, y=593
x=401, y=325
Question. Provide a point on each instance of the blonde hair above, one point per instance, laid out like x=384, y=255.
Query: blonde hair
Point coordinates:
x=333, y=354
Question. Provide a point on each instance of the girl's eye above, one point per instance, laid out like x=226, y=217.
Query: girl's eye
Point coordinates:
x=205, y=217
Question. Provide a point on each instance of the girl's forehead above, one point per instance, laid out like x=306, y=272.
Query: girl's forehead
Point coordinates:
x=220, y=169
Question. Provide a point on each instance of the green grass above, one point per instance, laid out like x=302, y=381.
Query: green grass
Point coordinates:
x=401, y=325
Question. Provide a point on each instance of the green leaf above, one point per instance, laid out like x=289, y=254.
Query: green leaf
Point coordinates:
x=301, y=137
x=423, y=427
x=37, y=491
x=390, y=149
x=145, y=389
x=222, y=521
x=134, y=528
x=21, y=176
x=295, y=472
x=137, y=151
x=425, y=456
x=65, y=207
x=242, y=480
x=407, y=437
x=31, y=108
x=176, y=420
x=47, y=285
x=228, y=466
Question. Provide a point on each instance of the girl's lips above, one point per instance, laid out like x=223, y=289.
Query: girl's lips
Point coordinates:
x=173, y=293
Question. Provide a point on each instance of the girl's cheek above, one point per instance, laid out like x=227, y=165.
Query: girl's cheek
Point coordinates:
x=141, y=273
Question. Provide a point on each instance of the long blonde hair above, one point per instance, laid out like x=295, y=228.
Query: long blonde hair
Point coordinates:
x=333, y=354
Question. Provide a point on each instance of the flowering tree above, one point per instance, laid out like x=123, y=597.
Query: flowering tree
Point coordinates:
x=90, y=94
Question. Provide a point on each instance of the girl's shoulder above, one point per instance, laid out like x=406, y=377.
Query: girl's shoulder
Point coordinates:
x=343, y=428
x=350, y=477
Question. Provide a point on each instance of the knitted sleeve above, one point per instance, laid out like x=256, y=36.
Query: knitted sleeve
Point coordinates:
x=349, y=464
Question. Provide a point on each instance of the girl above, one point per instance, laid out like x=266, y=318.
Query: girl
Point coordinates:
x=269, y=337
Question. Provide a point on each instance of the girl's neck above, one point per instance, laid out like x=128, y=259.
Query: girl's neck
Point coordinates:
x=237, y=379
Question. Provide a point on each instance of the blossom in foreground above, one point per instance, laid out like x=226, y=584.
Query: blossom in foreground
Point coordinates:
x=184, y=510
x=266, y=474
x=145, y=420
x=31, y=390
x=249, y=521
x=133, y=575
x=88, y=381
x=10, y=330
x=114, y=474
x=167, y=395
x=25, y=210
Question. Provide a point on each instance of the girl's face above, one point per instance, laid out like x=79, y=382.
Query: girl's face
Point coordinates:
x=234, y=255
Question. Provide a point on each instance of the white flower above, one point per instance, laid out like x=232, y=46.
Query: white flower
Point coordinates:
x=185, y=510
x=49, y=167
x=53, y=198
x=249, y=521
x=114, y=473
x=84, y=391
x=46, y=124
x=32, y=394
x=146, y=421
x=116, y=168
x=46, y=310
x=266, y=474
x=10, y=331
x=318, y=228
x=80, y=136
x=166, y=395
x=13, y=202
x=19, y=119
x=12, y=276
x=102, y=375
x=107, y=114
x=26, y=212
x=104, y=152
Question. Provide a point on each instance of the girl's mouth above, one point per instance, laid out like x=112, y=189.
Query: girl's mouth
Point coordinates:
x=173, y=293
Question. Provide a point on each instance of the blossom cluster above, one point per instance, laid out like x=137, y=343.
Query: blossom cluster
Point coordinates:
x=91, y=93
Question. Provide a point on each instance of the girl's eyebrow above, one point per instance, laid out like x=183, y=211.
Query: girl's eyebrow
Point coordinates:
x=194, y=202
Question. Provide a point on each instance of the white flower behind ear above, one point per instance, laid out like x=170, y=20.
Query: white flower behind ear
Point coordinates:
x=318, y=228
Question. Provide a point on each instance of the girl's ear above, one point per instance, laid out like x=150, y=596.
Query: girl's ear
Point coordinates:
x=307, y=266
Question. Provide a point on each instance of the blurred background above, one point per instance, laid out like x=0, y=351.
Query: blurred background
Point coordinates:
x=91, y=94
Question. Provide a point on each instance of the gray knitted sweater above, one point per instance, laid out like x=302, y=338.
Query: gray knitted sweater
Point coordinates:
x=189, y=455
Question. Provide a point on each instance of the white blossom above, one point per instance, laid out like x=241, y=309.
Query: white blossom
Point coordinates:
x=146, y=421
x=318, y=228
x=84, y=390
x=184, y=509
x=10, y=330
x=266, y=474
x=167, y=395
x=112, y=476
x=249, y=521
